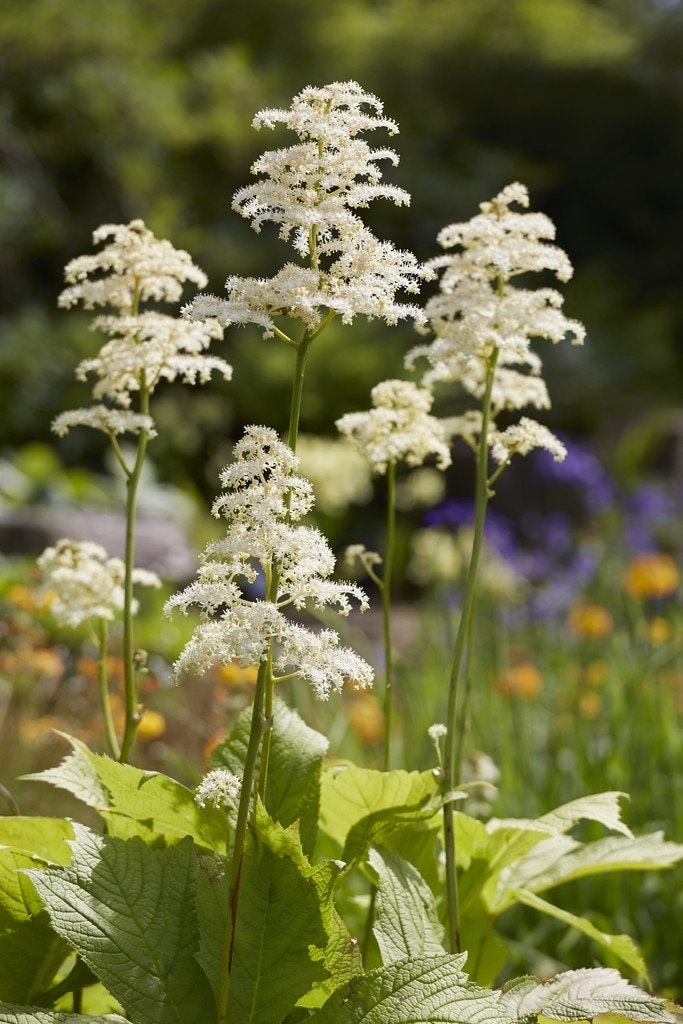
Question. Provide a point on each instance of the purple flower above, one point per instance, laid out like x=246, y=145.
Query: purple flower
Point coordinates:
x=581, y=470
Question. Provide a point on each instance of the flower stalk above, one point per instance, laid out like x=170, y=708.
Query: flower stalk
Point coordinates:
x=103, y=684
x=455, y=718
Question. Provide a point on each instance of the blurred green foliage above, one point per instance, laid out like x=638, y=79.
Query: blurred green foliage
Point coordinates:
x=143, y=109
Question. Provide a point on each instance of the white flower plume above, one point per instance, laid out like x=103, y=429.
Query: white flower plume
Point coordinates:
x=83, y=582
x=144, y=346
x=398, y=427
x=262, y=500
x=312, y=191
x=133, y=266
x=480, y=318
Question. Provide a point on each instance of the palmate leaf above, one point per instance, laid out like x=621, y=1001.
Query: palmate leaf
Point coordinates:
x=296, y=758
x=128, y=911
x=406, y=919
x=135, y=802
x=12, y=1014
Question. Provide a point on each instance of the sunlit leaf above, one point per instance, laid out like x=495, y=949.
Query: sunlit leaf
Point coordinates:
x=582, y=995
x=406, y=919
x=128, y=911
x=10, y=1014
x=295, y=765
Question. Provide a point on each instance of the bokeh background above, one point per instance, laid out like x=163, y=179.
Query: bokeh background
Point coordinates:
x=143, y=108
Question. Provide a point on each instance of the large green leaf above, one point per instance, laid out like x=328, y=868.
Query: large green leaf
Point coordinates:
x=582, y=995
x=76, y=774
x=47, y=838
x=561, y=860
x=30, y=950
x=13, y=1014
x=281, y=936
x=434, y=990
x=352, y=794
x=135, y=802
x=128, y=911
x=296, y=757
x=603, y=808
x=425, y=990
x=621, y=946
x=406, y=919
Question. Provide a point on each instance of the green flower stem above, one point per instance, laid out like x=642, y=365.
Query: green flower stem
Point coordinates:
x=464, y=716
x=386, y=611
x=463, y=636
x=259, y=725
x=129, y=680
x=105, y=701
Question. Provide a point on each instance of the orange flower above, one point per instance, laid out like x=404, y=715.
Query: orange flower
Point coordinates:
x=366, y=718
x=651, y=575
x=591, y=620
x=522, y=680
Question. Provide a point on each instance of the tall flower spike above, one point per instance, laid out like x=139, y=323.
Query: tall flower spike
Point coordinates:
x=398, y=427
x=312, y=191
x=261, y=535
x=480, y=315
x=146, y=346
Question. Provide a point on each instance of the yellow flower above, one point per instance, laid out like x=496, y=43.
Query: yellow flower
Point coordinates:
x=522, y=680
x=22, y=597
x=590, y=704
x=659, y=631
x=152, y=725
x=651, y=575
x=234, y=675
x=595, y=673
x=591, y=620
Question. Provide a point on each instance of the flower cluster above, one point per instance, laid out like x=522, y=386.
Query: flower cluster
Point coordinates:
x=480, y=319
x=219, y=788
x=144, y=347
x=400, y=426
x=263, y=498
x=312, y=191
x=82, y=582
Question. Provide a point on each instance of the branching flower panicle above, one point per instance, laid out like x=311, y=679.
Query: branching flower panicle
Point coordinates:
x=84, y=583
x=398, y=427
x=262, y=501
x=312, y=191
x=144, y=347
x=480, y=318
